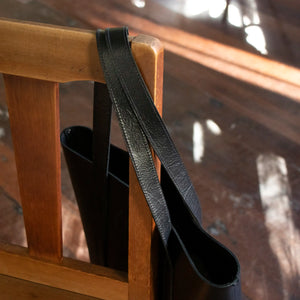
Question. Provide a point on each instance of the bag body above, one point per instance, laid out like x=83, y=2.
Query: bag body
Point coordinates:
x=199, y=266
x=106, y=249
x=99, y=176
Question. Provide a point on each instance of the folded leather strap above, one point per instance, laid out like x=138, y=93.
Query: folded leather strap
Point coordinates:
x=149, y=119
x=137, y=144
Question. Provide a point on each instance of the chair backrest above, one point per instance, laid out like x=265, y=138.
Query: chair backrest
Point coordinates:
x=34, y=59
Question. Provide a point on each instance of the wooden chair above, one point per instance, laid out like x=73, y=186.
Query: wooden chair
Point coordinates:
x=34, y=59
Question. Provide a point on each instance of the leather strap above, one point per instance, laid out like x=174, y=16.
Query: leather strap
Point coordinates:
x=148, y=117
x=137, y=143
x=101, y=149
x=101, y=129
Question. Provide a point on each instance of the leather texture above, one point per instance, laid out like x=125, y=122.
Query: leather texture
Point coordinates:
x=136, y=142
x=196, y=265
x=154, y=128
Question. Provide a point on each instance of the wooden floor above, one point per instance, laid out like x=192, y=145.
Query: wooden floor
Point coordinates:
x=237, y=130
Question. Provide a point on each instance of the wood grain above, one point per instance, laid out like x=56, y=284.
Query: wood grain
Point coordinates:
x=69, y=275
x=142, y=260
x=63, y=54
x=13, y=288
x=11, y=218
x=34, y=119
x=35, y=135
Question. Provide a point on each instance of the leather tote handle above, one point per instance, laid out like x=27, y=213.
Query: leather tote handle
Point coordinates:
x=137, y=132
x=141, y=103
x=136, y=141
x=148, y=117
x=198, y=265
x=101, y=129
x=101, y=149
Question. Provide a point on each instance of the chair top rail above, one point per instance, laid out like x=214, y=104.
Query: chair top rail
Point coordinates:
x=56, y=53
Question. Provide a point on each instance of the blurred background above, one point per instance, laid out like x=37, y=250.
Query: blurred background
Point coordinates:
x=231, y=104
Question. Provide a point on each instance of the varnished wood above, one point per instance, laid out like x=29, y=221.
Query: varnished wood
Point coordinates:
x=142, y=257
x=35, y=136
x=13, y=288
x=73, y=235
x=70, y=275
x=34, y=119
x=52, y=53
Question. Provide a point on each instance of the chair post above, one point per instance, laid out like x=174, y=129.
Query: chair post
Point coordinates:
x=143, y=250
x=34, y=119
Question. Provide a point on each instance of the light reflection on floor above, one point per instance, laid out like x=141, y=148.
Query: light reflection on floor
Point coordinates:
x=198, y=142
x=139, y=3
x=284, y=237
x=198, y=138
x=230, y=12
x=213, y=127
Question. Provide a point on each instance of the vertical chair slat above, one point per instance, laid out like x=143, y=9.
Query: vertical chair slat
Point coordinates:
x=34, y=118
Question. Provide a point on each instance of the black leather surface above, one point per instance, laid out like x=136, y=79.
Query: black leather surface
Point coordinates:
x=105, y=248
x=198, y=267
x=148, y=117
x=195, y=266
x=99, y=175
x=137, y=144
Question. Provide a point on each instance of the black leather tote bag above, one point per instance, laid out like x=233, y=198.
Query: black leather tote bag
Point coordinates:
x=195, y=265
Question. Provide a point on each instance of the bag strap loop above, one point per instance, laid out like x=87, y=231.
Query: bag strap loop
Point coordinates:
x=136, y=141
x=148, y=117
